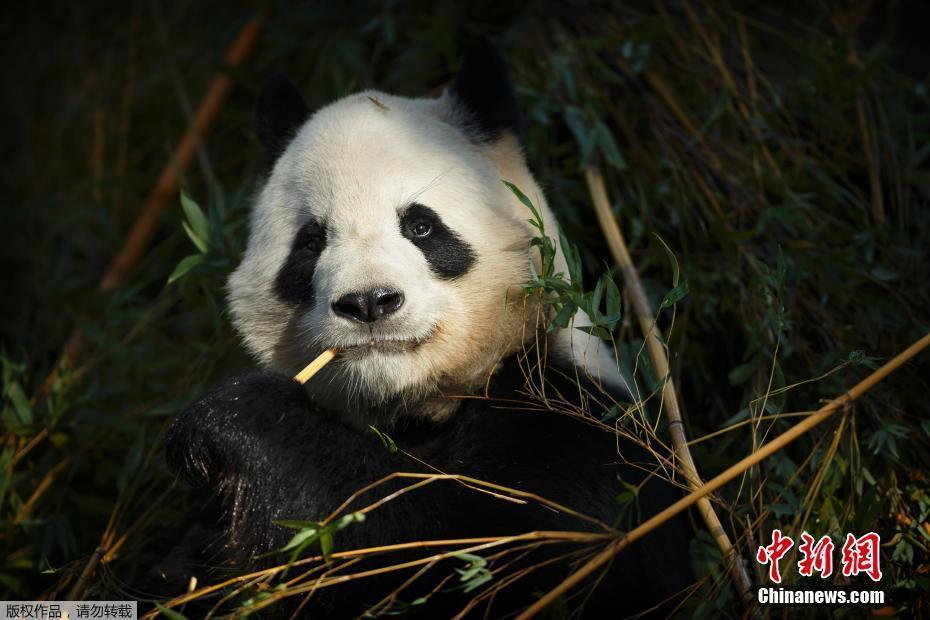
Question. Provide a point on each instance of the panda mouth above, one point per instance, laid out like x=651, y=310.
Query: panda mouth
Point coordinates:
x=384, y=345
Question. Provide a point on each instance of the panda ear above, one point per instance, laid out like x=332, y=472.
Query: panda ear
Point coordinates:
x=484, y=90
x=279, y=113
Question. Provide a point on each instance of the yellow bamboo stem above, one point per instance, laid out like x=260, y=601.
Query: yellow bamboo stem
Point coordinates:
x=732, y=472
x=653, y=337
x=314, y=367
x=165, y=192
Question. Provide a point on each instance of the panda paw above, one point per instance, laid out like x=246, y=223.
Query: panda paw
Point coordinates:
x=222, y=433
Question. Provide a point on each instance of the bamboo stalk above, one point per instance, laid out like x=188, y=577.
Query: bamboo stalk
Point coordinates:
x=729, y=474
x=871, y=162
x=653, y=337
x=166, y=188
x=40, y=490
x=314, y=367
x=77, y=592
x=168, y=184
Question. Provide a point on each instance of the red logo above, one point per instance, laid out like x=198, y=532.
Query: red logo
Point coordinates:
x=774, y=552
x=859, y=555
x=816, y=557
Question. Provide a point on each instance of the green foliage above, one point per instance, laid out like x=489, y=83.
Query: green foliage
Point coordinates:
x=475, y=574
x=385, y=439
x=169, y=613
x=564, y=293
x=629, y=515
x=313, y=533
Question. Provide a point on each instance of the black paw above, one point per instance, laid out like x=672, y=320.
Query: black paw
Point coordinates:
x=222, y=433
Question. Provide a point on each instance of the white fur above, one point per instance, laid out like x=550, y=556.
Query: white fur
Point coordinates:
x=354, y=165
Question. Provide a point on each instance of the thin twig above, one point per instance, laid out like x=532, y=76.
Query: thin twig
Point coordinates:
x=40, y=490
x=473, y=545
x=468, y=481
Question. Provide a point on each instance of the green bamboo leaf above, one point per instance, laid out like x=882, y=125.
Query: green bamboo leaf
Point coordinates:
x=626, y=497
x=572, y=259
x=478, y=581
x=676, y=294
x=187, y=263
x=385, y=439
x=593, y=307
x=884, y=274
x=326, y=544
x=199, y=227
x=20, y=404
x=742, y=373
x=526, y=201
x=471, y=557
x=302, y=538
x=170, y=613
x=198, y=241
x=614, y=300
x=563, y=317
x=609, y=146
x=576, y=122
x=611, y=413
x=595, y=330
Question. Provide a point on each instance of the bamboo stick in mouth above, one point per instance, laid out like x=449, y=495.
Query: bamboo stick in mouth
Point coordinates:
x=314, y=367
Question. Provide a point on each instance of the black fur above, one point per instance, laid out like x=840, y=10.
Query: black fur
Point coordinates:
x=448, y=255
x=270, y=453
x=279, y=113
x=484, y=88
x=294, y=282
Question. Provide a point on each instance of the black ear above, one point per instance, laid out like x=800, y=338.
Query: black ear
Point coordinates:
x=279, y=113
x=484, y=89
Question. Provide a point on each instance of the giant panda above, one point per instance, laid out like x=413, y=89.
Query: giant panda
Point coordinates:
x=383, y=229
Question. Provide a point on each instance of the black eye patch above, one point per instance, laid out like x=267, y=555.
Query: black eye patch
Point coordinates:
x=448, y=255
x=294, y=282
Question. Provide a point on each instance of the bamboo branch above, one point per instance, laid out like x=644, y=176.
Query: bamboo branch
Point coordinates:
x=653, y=337
x=729, y=474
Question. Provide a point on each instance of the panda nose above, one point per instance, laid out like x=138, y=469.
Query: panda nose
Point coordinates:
x=369, y=306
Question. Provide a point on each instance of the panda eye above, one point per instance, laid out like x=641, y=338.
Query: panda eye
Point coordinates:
x=421, y=228
x=311, y=237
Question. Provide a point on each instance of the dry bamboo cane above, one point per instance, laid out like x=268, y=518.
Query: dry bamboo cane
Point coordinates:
x=80, y=586
x=729, y=474
x=166, y=188
x=653, y=337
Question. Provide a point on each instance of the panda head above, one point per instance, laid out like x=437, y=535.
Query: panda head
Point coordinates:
x=384, y=230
